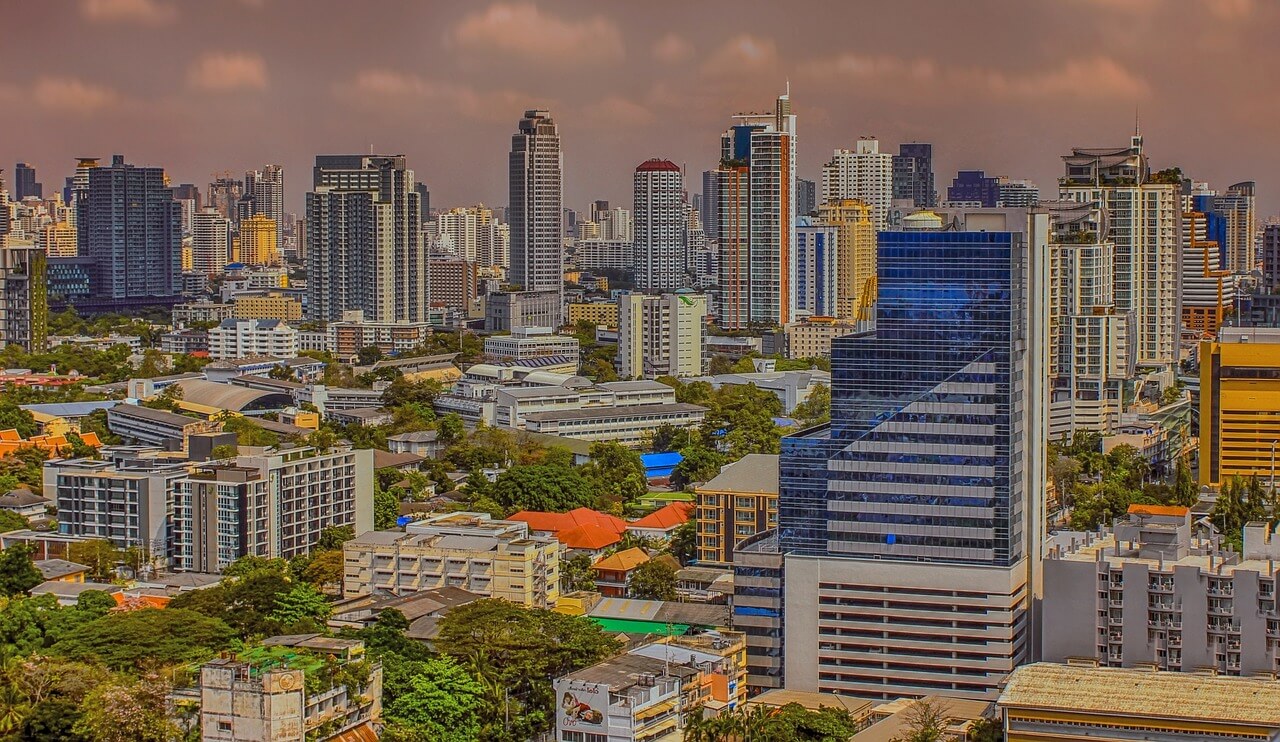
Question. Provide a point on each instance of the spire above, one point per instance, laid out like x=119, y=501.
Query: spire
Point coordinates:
x=1135, y=143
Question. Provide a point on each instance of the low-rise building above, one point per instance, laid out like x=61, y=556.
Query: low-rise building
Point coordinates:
x=156, y=427
x=525, y=343
x=364, y=416
x=184, y=342
x=267, y=305
x=472, y=551
x=613, y=573
x=202, y=311
x=24, y=502
x=240, y=338
x=424, y=443
x=99, y=343
x=663, y=522
x=790, y=387
x=506, y=310
x=738, y=503
x=598, y=313
x=629, y=425
x=811, y=337
x=348, y=336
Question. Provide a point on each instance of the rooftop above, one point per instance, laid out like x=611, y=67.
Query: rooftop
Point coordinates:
x=162, y=417
x=755, y=473
x=623, y=561
x=52, y=569
x=666, y=517
x=230, y=396
x=620, y=411
x=589, y=536
x=21, y=497
x=1144, y=693
x=557, y=522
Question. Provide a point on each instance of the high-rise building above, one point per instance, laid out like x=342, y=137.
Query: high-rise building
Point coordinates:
x=864, y=174
x=974, y=188
x=709, y=212
x=1239, y=404
x=913, y=175
x=1144, y=215
x=210, y=242
x=756, y=217
x=1091, y=348
x=1270, y=258
x=58, y=240
x=1208, y=292
x=659, y=232
x=536, y=201
x=1237, y=208
x=472, y=233
x=806, y=197
x=1017, y=193
x=189, y=197
x=855, y=256
x=364, y=242
x=24, y=182
x=259, y=243
x=910, y=526
x=817, y=251
x=266, y=189
x=131, y=228
x=24, y=307
x=660, y=335
x=223, y=195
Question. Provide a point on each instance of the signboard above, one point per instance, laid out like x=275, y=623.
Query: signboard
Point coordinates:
x=581, y=706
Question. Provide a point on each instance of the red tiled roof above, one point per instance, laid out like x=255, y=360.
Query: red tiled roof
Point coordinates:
x=657, y=165
x=557, y=522
x=590, y=536
x=665, y=518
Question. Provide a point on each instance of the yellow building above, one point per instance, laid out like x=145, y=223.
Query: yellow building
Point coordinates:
x=855, y=255
x=58, y=240
x=741, y=501
x=811, y=337
x=259, y=241
x=188, y=259
x=597, y=313
x=267, y=306
x=1239, y=404
x=1045, y=701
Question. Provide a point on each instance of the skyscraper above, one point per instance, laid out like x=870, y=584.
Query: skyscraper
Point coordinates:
x=974, y=187
x=24, y=182
x=364, y=242
x=864, y=174
x=266, y=188
x=710, y=206
x=913, y=175
x=817, y=247
x=259, y=241
x=210, y=242
x=1237, y=207
x=910, y=526
x=224, y=195
x=756, y=217
x=855, y=256
x=536, y=203
x=658, y=242
x=806, y=197
x=131, y=227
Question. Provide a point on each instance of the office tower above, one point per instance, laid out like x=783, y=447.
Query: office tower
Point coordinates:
x=131, y=228
x=210, y=242
x=424, y=199
x=266, y=189
x=536, y=183
x=855, y=256
x=756, y=217
x=1208, y=292
x=24, y=307
x=817, y=251
x=1091, y=348
x=188, y=196
x=1144, y=217
x=259, y=243
x=806, y=197
x=598, y=209
x=1237, y=207
x=365, y=249
x=864, y=174
x=224, y=196
x=709, y=212
x=1239, y=404
x=974, y=188
x=659, y=231
x=1270, y=259
x=913, y=175
x=1017, y=193
x=660, y=335
x=24, y=182
x=77, y=186
x=910, y=526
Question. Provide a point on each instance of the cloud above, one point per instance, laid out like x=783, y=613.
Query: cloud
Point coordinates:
x=146, y=12
x=223, y=72
x=1231, y=10
x=70, y=95
x=672, y=48
x=521, y=29
x=615, y=111
x=1096, y=77
x=398, y=91
x=741, y=55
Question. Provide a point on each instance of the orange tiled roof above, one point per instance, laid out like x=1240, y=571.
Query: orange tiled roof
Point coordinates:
x=11, y=441
x=665, y=518
x=557, y=522
x=590, y=536
x=1175, y=510
x=623, y=561
x=138, y=602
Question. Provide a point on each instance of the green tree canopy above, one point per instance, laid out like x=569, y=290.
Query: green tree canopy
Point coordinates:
x=538, y=487
x=654, y=580
x=443, y=703
x=18, y=573
x=127, y=640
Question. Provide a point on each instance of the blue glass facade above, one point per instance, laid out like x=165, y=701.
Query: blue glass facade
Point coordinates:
x=974, y=186
x=924, y=451
x=815, y=282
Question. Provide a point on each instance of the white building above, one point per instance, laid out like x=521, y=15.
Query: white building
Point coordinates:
x=817, y=270
x=210, y=241
x=864, y=174
x=659, y=243
x=536, y=207
x=240, y=338
x=597, y=254
x=530, y=342
x=660, y=335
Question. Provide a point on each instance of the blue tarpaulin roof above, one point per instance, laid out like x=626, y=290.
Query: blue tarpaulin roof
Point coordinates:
x=658, y=465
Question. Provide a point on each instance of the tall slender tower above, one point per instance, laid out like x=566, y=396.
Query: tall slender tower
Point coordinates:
x=266, y=188
x=864, y=174
x=536, y=206
x=659, y=227
x=210, y=241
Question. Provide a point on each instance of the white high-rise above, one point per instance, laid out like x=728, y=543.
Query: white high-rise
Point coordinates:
x=210, y=241
x=660, y=335
x=536, y=206
x=864, y=174
x=266, y=188
x=659, y=236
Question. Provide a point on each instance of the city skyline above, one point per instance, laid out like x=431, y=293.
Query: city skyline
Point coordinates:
x=239, y=88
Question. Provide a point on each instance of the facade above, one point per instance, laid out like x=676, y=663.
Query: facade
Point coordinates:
x=1144, y=221
x=1270, y=258
x=24, y=182
x=659, y=227
x=264, y=190
x=267, y=305
x=184, y=314
x=259, y=241
x=273, y=505
x=505, y=310
x=1239, y=404
x=364, y=242
x=737, y=504
x=455, y=283
x=812, y=336
x=473, y=234
x=756, y=210
x=1149, y=594
x=922, y=499
x=660, y=335
x=139, y=424
x=974, y=188
x=125, y=501
x=347, y=336
x=1237, y=209
x=817, y=249
x=525, y=343
x=913, y=175
x=599, y=254
x=58, y=240
x=535, y=208
x=492, y=558
x=599, y=313
x=130, y=227
x=862, y=174
x=629, y=425
x=806, y=197
x=241, y=338
x=1208, y=292
x=855, y=256
x=210, y=242
x=1018, y=193
x=24, y=299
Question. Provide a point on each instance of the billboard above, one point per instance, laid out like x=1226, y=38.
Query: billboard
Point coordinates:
x=581, y=706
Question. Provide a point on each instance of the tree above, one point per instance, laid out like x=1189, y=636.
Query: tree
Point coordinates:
x=654, y=580
x=443, y=703
x=128, y=711
x=576, y=574
x=616, y=471
x=741, y=416
x=816, y=409
x=986, y=730
x=14, y=417
x=368, y=355
x=552, y=488
x=449, y=429
x=326, y=568
x=280, y=373
x=670, y=438
x=684, y=541
x=18, y=573
x=402, y=391
x=129, y=639
x=224, y=451
x=386, y=509
x=154, y=363
x=245, y=601
x=11, y=521
x=334, y=537
x=302, y=603
x=926, y=722
x=1185, y=492
x=700, y=464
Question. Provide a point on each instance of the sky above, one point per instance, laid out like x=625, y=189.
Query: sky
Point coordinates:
x=228, y=85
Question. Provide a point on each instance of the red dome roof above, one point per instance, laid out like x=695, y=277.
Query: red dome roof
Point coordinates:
x=657, y=165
